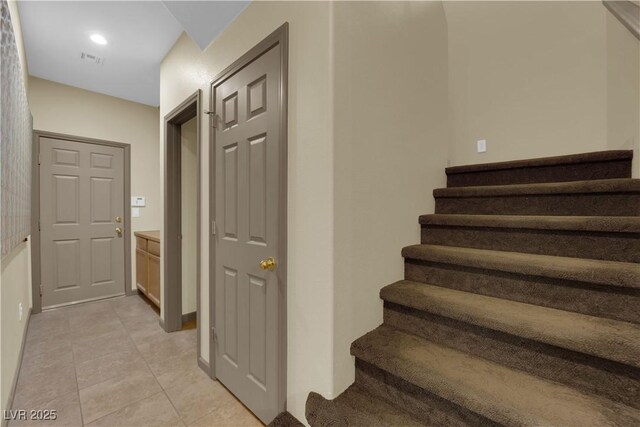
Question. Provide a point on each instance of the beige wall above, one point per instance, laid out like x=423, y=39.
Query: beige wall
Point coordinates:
x=68, y=110
x=623, y=87
x=15, y=283
x=538, y=79
x=15, y=277
x=310, y=194
x=390, y=138
x=189, y=182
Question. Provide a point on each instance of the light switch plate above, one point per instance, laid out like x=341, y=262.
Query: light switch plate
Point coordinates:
x=482, y=146
x=135, y=212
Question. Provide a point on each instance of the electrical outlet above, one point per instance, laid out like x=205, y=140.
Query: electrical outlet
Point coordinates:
x=20, y=311
x=482, y=146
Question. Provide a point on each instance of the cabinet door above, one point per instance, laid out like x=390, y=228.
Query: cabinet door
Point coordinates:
x=153, y=285
x=142, y=268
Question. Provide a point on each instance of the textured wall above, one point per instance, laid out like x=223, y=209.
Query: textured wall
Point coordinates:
x=623, y=86
x=539, y=79
x=15, y=142
x=15, y=278
x=390, y=142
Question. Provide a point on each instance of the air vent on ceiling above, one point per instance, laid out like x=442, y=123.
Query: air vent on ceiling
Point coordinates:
x=91, y=58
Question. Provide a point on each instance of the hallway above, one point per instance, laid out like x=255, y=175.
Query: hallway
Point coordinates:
x=109, y=363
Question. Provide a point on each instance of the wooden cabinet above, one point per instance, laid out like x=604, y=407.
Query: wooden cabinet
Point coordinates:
x=148, y=264
x=142, y=270
x=154, y=279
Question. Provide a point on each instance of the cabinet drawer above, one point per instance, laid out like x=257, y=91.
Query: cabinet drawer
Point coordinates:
x=153, y=247
x=141, y=243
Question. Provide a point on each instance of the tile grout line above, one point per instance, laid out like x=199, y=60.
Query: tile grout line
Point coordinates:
x=129, y=403
x=161, y=387
x=137, y=354
x=75, y=372
x=126, y=406
x=141, y=357
x=162, y=390
x=67, y=333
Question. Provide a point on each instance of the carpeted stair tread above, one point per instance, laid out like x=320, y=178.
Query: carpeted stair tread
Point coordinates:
x=499, y=393
x=361, y=408
x=600, y=224
x=609, y=339
x=602, y=186
x=594, y=157
x=613, y=273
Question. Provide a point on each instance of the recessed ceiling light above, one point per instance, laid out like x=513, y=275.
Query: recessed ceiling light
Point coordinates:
x=98, y=38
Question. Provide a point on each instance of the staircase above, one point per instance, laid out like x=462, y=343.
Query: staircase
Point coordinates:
x=521, y=305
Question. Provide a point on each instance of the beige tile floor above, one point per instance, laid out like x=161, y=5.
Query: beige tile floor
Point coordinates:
x=109, y=363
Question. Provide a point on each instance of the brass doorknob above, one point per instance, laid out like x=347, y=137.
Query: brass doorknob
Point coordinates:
x=118, y=219
x=119, y=231
x=268, y=264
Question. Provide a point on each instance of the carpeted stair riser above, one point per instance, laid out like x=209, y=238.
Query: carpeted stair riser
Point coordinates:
x=582, y=167
x=361, y=408
x=621, y=169
x=590, y=374
x=610, y=204
x=604, y=301
x=432, y=410
x=623, y=247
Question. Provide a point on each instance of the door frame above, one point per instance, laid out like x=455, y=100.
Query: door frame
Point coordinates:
x=278, y=37
x=171, y=258
x=36, y=278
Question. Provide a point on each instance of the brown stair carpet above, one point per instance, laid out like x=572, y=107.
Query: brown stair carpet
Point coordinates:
x=609, y=197
x=285, y=419
x=519, y=306
x=606, y=238
x=576, y=167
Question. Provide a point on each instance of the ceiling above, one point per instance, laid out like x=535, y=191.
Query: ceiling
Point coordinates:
x=139, y=35
x=204, y=20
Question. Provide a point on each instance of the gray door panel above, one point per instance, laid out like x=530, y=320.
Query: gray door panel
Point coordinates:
x=81, y=194
x=247, y=194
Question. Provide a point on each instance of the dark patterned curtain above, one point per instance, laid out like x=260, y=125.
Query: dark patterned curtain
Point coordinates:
x=15, y=143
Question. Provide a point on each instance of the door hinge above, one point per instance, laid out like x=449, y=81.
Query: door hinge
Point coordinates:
x=214, y=336
x=39, y=229
x=40, y=290
x=213, y=228
x=39, y=156
x=214, y=118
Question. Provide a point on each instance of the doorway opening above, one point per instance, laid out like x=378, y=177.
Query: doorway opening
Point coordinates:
x=181, y=240
x=188, y=219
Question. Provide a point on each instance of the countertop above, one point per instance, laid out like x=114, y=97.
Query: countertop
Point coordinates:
x=151, y=235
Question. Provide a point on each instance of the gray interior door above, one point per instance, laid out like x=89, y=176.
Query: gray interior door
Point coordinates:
x=247, y=214
x=81, y=210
